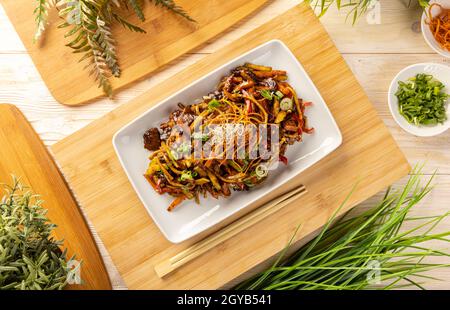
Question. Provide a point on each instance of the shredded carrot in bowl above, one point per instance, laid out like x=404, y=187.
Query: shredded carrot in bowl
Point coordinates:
x=440, y=25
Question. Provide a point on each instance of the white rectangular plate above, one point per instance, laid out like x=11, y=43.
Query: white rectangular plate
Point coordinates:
x=189, y=219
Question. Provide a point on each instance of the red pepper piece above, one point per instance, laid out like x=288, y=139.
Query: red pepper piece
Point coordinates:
x=283, y=159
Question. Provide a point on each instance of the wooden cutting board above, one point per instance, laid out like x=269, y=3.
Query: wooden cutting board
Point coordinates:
x=368, y=154
x=23, y=154
x=168, y=37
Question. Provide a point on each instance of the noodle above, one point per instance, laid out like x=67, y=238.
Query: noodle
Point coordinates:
x=252, y=95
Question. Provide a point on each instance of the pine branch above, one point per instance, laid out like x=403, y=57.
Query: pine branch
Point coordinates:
x=89, y=30
x=175, y=8
x=127, y=24
x=99, y=68
x=122, y=21
x=107, y=45
x=137, y=7
x=87, y=38
x=41, y=16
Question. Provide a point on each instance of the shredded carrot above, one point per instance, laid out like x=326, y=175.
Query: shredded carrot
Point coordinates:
x=440, y=25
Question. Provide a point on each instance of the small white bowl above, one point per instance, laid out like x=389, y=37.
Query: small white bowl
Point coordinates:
x=439, y=72
x=426, y=32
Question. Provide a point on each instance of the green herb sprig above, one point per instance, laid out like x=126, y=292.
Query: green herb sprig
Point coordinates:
x=341, y=256
x=29, y=257
x=422, y=101
x=356, y=8
x=89, y=25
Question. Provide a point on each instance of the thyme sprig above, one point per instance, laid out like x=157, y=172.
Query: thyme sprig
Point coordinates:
x=29, y=257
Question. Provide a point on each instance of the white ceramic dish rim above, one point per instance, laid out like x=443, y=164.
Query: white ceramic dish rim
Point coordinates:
x=392, y=101
x=167, y=99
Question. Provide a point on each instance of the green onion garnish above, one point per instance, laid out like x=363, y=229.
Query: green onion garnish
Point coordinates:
x=286, y=104
x=279, y=95
x=187, y=175
x=266, y=94
x=422, y=101
x=213, y=104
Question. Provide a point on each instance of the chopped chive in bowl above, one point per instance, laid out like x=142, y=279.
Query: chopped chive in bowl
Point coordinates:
x=422, y=100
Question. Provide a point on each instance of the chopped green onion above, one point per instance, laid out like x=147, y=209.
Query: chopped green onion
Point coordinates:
x=279, y=95
x=199, y=136
x=249, y=183
x=286, y=104
x=422, y=101
x=266, y=94
x=184, y=148
x=213, y=104
x=186, y=175
x=261, y=171
x=173, y=155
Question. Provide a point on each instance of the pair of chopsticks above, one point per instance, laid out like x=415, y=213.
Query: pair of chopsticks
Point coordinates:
x=169, y=265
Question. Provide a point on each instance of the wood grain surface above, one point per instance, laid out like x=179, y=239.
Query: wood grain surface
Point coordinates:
x=368, y=154
x=374, y=52
x=23, y=154
x=168, y=37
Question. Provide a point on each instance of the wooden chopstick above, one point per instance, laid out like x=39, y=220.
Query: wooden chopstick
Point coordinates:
x=169, y=265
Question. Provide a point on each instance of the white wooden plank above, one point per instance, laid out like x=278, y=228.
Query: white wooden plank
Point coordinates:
x=396, y=33
x=10, y=39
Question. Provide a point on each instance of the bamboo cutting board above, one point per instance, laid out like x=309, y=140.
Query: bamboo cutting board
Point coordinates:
x=168, y=37
x=23, y=154
x=368, y=155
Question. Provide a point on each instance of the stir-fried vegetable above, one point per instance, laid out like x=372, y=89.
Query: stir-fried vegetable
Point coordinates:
x=286, y=104
x=279, y=95
x=266, y=94
x=213, y=104
x=422, y=101
x=250, y=95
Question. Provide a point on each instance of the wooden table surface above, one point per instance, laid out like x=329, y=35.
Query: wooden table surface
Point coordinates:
x=374, y=52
